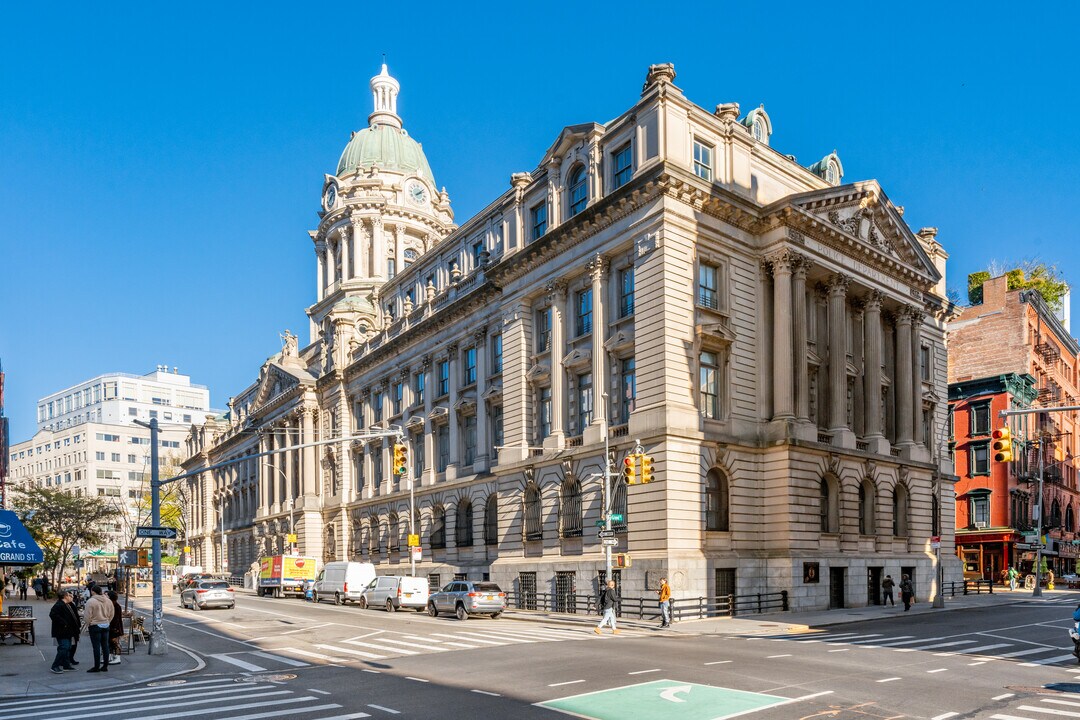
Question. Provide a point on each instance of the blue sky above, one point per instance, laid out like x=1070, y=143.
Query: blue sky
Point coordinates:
x=160, y=165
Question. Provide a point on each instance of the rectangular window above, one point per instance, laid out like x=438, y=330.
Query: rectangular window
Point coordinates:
x=924, y=361
x=584, y=401
x=627, y=390
x=710, y=385
x=949, y=420
x=132, y=460
x=622, y=166
x=980, y=459
x=399, y=397
x=418, y=388
x=99, y=456
x=376, y=466
x=133, y=412
x=543, y=330
x=444, y=378
x=703, y=160
x=153, y=414
x=470, y=439
x=391, y=268
x=980, y=510
x=545, y=412
x=468, y=375
x=626, y=292
x=376, y=406
x=980, y=419
x=584, y=312
x=137, y=440
x=539, y=221
x=496, y=354
x=115, y=457
x=187, y=418
x=442, y=447
x=110, y=391
x=418, y=454
x=496, y=430
x=708, y=286
x=477, y=248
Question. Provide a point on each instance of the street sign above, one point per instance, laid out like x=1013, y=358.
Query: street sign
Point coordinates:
x=78, y=564
x=935, y=542
x=416, y=552
x=187, y=548
x=75, y=551
x=607, y=533
x=600, y=523
x=616, y=517
x=414, y=541
x=609, y=542
x=155, y=532
x=290, y=538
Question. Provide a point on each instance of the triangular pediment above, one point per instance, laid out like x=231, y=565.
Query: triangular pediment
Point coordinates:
x=862, y=212
x=275, y=381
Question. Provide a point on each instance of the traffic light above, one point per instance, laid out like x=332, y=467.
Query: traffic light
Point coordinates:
x=1003, y=448
x=621, y=560
x=630, y=469
x=401, y=459
x=646, y=469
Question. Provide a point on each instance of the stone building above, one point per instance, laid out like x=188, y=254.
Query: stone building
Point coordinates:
x=1010, y=350
x=771, y=335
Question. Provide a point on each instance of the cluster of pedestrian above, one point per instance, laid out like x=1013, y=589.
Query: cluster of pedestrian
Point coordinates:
x=610, y=599
x=101, y=618
x=15, y=586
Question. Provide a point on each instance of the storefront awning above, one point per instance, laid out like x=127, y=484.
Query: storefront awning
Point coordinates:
x=17, y=546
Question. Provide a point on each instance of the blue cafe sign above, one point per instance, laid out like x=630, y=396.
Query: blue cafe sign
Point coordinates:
x=16, y=545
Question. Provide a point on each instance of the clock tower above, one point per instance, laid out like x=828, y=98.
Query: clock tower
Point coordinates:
x=380, y=211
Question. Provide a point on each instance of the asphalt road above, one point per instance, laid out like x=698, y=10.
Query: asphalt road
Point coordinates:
x=289, y=659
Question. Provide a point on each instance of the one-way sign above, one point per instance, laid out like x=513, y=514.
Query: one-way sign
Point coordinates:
x=607, y=533
x=156, y=532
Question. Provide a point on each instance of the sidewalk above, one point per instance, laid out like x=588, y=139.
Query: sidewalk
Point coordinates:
x=792, y=622
x=24, y=669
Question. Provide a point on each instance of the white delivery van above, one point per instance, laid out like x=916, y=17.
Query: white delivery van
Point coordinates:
x=395, y=592
x=342, y=581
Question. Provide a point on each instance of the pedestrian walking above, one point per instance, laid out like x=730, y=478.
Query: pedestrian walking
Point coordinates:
x=99, y=614
x=609, y=600
x=907, y=592
x=65, y=628
x=116, y=628
x=1012, y=576
x=664, y=594
x=887, y=586
x=37, y=587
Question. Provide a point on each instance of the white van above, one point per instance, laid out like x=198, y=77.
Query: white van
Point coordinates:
x=342, y=581
x=394, y=592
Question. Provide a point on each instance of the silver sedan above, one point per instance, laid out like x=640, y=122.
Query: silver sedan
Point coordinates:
x=208, y=593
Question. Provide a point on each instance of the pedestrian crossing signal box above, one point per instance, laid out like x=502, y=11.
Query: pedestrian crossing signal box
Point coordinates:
x=144, y=557
x=621, y=560
x=128, y=557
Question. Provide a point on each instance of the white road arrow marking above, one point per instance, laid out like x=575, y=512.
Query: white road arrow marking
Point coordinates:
x=671, y=692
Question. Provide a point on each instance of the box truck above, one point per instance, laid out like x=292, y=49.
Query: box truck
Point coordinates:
x=284, y=575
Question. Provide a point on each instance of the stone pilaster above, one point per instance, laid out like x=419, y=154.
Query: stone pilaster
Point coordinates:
x=598, y=270
x=782, y=375
x=875, y=435
x=838, y=424
x=346, y=262
x=482, y=460
x=558, y=298
x=904, y=393
x=454, y=359
x=802, y=374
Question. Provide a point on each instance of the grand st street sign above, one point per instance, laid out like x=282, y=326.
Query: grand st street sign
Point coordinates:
x=17, y=547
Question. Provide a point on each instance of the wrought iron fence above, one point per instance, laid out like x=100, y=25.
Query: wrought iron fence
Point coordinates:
x=967, y=587
x=647, y=608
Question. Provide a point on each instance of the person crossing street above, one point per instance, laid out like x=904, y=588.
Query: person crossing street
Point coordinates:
x=609, y=600
x=664, y=594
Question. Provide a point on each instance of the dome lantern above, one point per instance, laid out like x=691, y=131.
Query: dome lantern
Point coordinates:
x=384, y=91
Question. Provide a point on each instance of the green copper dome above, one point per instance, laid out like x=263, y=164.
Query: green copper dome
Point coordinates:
x=388, y=147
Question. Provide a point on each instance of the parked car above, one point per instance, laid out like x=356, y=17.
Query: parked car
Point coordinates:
x=342, y=581
x=468, y=597
x=394, y=592
x=208, y=593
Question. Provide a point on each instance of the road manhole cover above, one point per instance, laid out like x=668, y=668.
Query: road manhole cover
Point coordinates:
x=279, y=677
x=166, y=682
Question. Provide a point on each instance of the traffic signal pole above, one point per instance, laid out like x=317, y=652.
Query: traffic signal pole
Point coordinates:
x=1005, y=414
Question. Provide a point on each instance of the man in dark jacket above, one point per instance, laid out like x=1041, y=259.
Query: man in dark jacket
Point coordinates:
x=65, y=627
x=609, y=600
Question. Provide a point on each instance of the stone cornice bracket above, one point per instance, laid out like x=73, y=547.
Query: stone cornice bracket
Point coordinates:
x=404, y=374
x=598, y=267
x=838, y=284
x=320, y=246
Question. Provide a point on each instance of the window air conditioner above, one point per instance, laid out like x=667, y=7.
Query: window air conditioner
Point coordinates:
x=980, y=524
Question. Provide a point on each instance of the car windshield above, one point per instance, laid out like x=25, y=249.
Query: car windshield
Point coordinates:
x=216, y=585
x=486, y=587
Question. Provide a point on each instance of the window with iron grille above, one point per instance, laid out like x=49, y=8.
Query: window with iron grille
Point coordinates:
x=434, y=581
x=533, y=526
x=491, y=520
x=438, y=528
x=570, y=520
x=725, y=582
x=716, y=502
x=394, y=539
x=463, y=525
x=565, y=591
x=526, y=595
x=708, y=286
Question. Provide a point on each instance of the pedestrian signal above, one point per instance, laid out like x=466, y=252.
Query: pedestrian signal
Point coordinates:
x=620, y=560
x=1002, y=447
x=646, y=469
x=401, y=459
x=144, y=557
x=630, y=469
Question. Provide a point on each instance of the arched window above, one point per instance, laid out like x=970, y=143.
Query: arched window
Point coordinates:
x=759, y=133
x=619, y=506
x=491, y=520
x=531, y=501
x=900, y=511
x=463, y=524
x=832, y=173
x=716, y=501
x=866, y=507
x=570, y=508
x=1070, y=520
x=438, y=527
x=394, y=540
x=579, y=190
x=829, y=505
x=410, y=256
x=373, y=536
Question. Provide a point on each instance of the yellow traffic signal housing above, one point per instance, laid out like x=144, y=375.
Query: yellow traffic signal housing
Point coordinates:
x=621, y=560
x=630, y=469
x=144, y=557
x=401, y=459
x=646, y=469
x=1003, y=448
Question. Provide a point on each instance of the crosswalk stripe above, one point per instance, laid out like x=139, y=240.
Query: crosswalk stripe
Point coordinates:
x=133, y=706
x=282, y=701
x=1063, y=713
x=875, y=642
x=97, y=698
x=278, y=658
x=935, y=646
x=476, y=640
x=225, y=657
x=71, y=706
x=353, y=716
x=818, y=638
x=493, y=637
x=384, y=648
x=909, y=642
x=405, y=643
x=458, y=644
x=1031, y=651
x=1008, y=717
x=307, y=653
x=982, y=648
x=349, y=651
x=258, y=716
x=512, y=637
x=1049, y=661
x=858, y=637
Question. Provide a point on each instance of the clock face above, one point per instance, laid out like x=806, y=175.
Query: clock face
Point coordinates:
x=329, y=197
x=416, y=193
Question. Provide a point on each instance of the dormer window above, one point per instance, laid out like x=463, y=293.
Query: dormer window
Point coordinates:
x=759, y=133
x=831, y=173
x=579, y=190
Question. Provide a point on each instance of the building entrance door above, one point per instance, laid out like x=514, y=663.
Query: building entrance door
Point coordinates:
x=836, y=587
x=873, y=585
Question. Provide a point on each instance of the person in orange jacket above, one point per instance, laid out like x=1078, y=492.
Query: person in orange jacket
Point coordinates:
x=665, y=603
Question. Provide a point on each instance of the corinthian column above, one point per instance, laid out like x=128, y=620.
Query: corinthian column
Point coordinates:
x=346, y=263
x=783, y=405
x=558, y=376
x=320, y=281
x=802, y=374
x=904, y=393
x=872, y=367
x=917, y=317
x=838, y=353
x=309, y=472
x=598, y=269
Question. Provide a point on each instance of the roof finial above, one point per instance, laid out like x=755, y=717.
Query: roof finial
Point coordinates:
x=384, y=90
